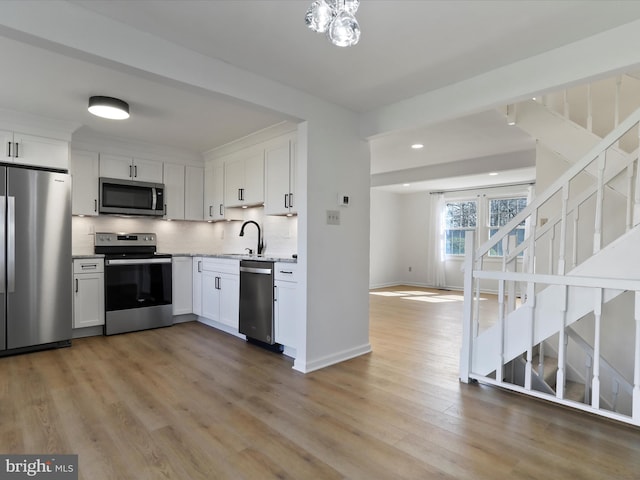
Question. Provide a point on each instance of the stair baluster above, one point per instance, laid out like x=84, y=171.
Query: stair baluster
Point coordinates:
x=636, y=191
x=629, y=217
x=587, y=375
x=636, y=364
x=467, y=309
x=595, y=385
x=562, y=345
x=589, y=109
x=597, y=233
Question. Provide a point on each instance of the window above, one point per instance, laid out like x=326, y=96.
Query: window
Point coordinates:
x=501, y=211
x=459, y=217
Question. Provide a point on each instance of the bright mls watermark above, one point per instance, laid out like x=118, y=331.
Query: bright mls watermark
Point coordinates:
x=50, y=467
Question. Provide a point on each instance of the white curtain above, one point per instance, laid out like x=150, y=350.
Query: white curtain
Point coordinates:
x=436, y=237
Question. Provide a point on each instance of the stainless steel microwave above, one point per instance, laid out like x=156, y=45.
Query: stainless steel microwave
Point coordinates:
x=128, y=197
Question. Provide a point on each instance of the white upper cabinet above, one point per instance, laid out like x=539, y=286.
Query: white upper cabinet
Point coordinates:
x=174, y=191
x=35, y=151
x=84, y=171
x=128, y=168
x=214, y=205
x=193, y=193
x=244, y=179
x=280, y=177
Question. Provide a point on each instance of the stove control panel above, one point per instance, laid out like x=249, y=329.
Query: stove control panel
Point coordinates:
x=125, y=239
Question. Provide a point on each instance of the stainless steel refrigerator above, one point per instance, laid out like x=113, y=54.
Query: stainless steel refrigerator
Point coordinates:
x=35, y=259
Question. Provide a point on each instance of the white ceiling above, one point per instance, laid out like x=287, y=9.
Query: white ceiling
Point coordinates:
x=407, y=48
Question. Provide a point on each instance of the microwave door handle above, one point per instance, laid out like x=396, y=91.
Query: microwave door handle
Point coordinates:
x=154, y=198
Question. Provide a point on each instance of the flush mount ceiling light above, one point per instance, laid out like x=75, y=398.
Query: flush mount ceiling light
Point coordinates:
x=109, y=107
x=417, y=146
x=337, y=19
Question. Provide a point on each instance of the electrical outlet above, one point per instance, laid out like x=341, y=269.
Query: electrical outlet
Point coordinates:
x=333, y=217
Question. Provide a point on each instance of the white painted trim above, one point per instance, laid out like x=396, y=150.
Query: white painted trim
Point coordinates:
x=550, y=398
x=332, y=359
x=222, y=327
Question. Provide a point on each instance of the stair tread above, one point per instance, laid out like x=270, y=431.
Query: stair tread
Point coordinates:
x=550, y=365
x=574, y=391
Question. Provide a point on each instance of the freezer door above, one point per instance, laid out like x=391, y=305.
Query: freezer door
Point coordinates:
x=39, y=269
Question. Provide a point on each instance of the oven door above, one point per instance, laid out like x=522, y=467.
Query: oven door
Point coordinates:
x=137, y=294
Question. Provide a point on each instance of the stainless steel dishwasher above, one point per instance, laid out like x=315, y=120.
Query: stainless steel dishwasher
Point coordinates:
x=256, y=302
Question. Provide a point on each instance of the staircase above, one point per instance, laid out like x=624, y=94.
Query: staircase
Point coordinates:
x=550, y=292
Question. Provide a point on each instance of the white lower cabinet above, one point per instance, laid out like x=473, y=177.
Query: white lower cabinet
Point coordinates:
x=196, y=299
x=285, y=298
x=88, y=292
x=220, y=280
x=182, y=280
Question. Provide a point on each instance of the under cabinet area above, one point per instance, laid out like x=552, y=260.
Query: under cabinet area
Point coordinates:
x=88, y=292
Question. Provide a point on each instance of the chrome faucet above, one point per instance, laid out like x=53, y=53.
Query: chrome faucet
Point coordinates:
x=260, y=244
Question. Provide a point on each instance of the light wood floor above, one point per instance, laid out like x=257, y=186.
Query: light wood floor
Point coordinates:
x=189, y=402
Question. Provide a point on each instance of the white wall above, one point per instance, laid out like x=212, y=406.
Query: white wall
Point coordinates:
x=410, y=229
x=337, y=256
x=385, y=264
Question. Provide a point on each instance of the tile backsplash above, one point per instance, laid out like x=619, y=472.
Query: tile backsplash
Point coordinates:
x=280, y=234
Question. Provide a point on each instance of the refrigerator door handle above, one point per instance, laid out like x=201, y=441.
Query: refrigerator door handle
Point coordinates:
x=11, y=244
x=3, y=214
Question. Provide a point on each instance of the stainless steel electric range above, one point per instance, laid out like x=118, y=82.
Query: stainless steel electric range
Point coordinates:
x=137, y=282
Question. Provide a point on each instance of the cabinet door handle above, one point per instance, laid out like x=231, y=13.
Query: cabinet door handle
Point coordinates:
x=88, y=266
x=217, y=284
x=199, y=266
x=135, y=171
x=165, y=209
x=95, y=204
x=130, y=171
x=210, y=207
x=9, y=149
x=220, y=210
x=275, y=293
x=17, y=146
x=286, y=272
x=76, y=285
x=286, y=200
x=291, y=200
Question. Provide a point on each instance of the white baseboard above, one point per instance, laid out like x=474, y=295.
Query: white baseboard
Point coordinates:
x=332, y=359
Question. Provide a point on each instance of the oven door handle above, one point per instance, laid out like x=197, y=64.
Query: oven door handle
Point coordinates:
x=138, y=261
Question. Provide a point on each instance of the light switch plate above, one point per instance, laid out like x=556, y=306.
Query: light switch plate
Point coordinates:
x=333, y=217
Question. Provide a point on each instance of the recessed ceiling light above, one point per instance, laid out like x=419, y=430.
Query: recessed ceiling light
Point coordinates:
x=109, y=107
x=406, y=184
x=493, y=174
x=417, y=146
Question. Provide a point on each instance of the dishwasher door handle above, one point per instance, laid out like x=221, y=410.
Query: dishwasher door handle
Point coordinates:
x=262, y=271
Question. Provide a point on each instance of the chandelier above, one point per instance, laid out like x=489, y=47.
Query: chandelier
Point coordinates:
x=337, y=19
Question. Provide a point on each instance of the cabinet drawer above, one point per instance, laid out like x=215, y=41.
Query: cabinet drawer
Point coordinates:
x=88, y=265
x=221, y=265
x=287, y=272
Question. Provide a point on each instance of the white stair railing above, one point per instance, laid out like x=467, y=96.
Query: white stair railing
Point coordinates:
x=508, y=277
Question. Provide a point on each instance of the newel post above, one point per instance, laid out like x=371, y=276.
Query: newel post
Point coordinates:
x=466, y=351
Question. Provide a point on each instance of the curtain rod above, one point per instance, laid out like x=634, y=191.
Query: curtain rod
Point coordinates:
x=481, y=188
